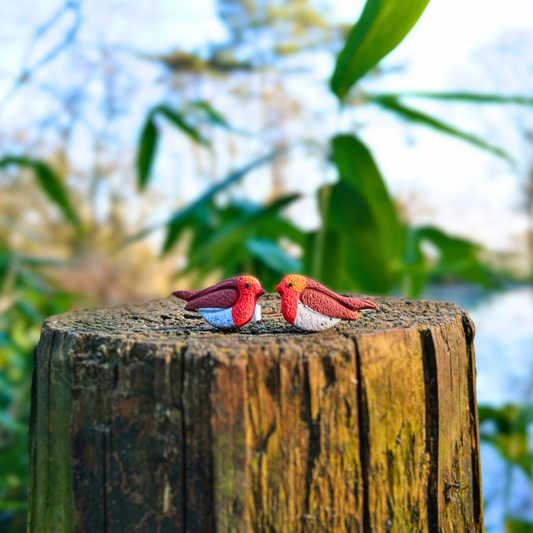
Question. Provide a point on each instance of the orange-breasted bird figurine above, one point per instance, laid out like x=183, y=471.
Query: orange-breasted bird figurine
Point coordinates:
x=228, y=304
x=310, y=306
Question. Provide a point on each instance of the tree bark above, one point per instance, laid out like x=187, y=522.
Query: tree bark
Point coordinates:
x=146, y=419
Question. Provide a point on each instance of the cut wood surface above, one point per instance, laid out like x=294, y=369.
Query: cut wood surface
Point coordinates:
x=146, y=419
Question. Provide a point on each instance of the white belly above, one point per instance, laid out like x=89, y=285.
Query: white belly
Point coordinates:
x=222, y=318
x=310, y=320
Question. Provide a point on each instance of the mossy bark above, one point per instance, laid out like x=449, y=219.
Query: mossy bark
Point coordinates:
x=146, y=419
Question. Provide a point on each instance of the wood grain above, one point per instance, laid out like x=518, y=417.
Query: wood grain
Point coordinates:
x=458, y=478
x=393, y=402
x=145, y=419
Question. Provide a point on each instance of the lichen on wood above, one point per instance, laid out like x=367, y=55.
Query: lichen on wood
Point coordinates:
x=147, y=419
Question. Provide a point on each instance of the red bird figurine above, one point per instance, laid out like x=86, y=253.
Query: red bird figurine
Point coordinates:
x=310, y=306
x=230, y=303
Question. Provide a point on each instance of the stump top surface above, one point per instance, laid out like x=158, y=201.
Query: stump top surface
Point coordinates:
x=165, y=320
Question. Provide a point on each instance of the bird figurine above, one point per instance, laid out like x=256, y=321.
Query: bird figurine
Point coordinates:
x=228, y=304
x=310, y=306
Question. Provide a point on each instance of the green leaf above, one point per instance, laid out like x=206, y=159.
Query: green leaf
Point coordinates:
x=510, y=437
x=207, y=253
x=146, y=152
x=513, y=525
x=357, y=167
x=412, y=115
x=269, y=252
x=217, y=119
x=453, y=248
x=50, y=183
x=13, y=505
x=355, y=251
x=277, y=225
x=414, y=273
x=214, y=116
x=180, y=219
x=525, y=416
x=361, y=244
x=180, y=122
x=479, y=98
x=224, y=246
x=458, y=256
x=381, y=27
x=150, y=136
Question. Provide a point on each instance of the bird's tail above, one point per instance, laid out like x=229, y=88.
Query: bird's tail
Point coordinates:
x=356, y=304
x=185, y=295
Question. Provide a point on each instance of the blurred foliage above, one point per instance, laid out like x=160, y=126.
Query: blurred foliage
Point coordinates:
x=283, y=29
x=508, y=430
x=393, y=104
x=27, y=297
x=508, y=433
x=517, y=526
x=362, y=245
x=49, y=182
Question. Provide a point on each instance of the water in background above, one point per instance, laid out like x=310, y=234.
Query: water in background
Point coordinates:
x=504, y=357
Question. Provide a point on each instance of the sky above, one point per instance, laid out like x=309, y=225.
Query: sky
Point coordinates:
x=443, y=181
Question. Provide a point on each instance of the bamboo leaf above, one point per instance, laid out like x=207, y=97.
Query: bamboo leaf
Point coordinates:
x=50, y=183
x=236, y=229
x=355, y=256
x=457, y=256
x=381, y=27
x=412, y=115
x=509, y=433
x=513, y=525
x=269, y=252
x=178, y=221
x=146, y=152
x=358, y=168
x=479, y=98
x=238, y=242
x=180, y=122
x=214, y=116
x=150, y=136
x=362, y=237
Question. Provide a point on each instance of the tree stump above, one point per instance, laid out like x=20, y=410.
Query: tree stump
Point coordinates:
x=146, y=419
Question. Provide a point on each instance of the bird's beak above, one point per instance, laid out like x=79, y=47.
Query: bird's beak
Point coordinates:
x=261, y=292
x=279, y=288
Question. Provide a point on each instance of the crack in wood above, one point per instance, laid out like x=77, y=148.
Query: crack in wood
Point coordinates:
x=364, y=445
x=474, y=424
x=432, y=426
x=341, y=431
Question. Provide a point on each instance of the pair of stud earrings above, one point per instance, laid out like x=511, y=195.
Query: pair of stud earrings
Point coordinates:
x=305, y=304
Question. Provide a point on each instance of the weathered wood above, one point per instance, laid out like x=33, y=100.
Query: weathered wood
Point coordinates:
x=146, y=419
x=393, y=406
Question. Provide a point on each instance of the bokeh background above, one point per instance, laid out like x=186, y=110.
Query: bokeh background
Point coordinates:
x=146, y=146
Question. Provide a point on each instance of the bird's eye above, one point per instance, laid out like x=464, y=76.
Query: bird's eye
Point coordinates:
x=290, y=284
x=247, y=285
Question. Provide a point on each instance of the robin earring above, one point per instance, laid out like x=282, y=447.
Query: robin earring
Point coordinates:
x=310, y=306
x=228, y=304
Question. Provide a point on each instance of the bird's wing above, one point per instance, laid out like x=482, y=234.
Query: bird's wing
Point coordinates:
x=320, y=296
x=221, y=296
x=326, y=305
